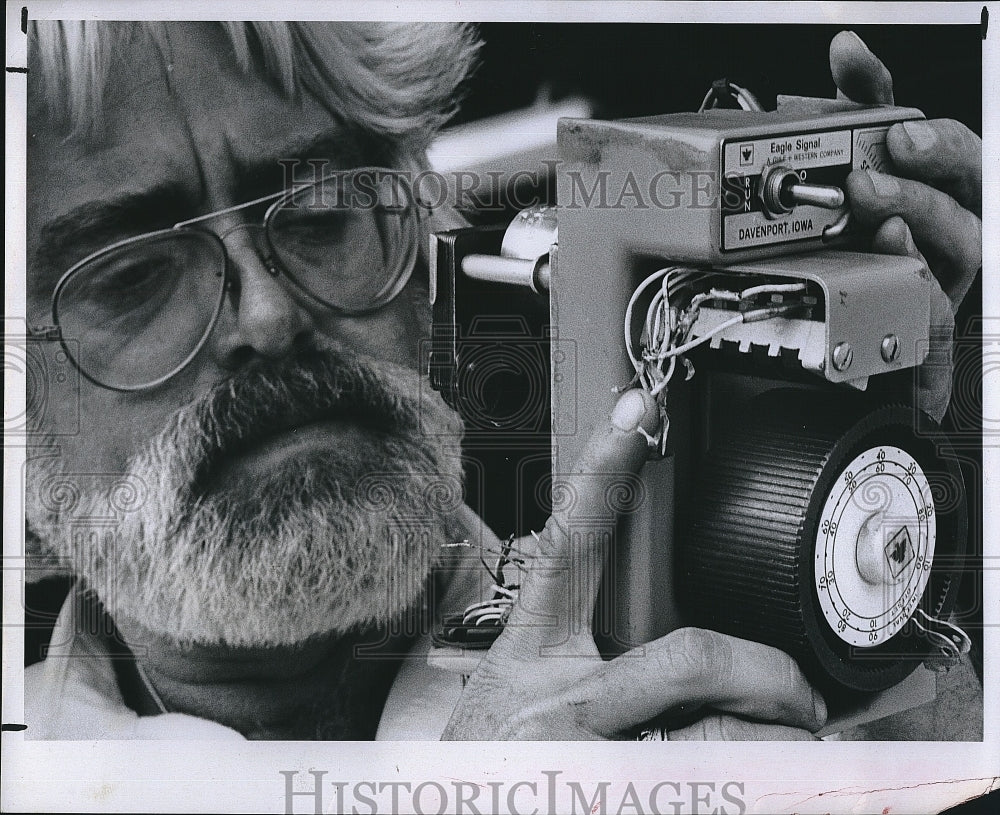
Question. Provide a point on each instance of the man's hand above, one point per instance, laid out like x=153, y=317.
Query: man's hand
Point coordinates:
x=932, y=211
x=544, y=677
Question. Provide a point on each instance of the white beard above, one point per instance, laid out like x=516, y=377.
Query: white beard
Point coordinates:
x=330, y=541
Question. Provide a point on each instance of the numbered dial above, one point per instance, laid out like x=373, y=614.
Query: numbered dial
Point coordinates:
x=874, y=546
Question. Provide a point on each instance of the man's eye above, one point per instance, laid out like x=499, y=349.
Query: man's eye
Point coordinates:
x=123, y=285
x=312, y=226
x=135, y=279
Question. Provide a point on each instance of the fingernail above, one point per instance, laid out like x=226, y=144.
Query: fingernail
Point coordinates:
x=819, y=707
x=921, y=135
x=885, y=186
x=861, y=42
x=908, y=243
x=628, y=413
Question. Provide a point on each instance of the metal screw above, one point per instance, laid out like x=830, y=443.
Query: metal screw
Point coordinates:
x=843, y=356
x=890, y=347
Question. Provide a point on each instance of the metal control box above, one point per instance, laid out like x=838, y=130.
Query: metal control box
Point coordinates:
x=694, y=184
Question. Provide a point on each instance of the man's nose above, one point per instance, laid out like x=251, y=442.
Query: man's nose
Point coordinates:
x=260, y=316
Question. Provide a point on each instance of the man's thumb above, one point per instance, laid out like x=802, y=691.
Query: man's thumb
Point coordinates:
x=585, y=505
x=621, y=445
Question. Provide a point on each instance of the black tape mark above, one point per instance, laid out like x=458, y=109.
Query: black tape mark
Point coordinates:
x=984, y=21
x=24, y=19
x=13, y=69
x=10, y=726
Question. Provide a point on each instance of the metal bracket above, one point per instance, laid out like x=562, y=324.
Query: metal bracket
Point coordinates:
x=950, y=641
x=877, y=310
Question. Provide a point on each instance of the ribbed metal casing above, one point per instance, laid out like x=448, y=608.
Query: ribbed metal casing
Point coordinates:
x=745, y=562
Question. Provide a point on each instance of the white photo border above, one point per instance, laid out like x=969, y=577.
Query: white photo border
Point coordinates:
x=223, y=777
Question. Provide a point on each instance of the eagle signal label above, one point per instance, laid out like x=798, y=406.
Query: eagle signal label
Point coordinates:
x=825, y=157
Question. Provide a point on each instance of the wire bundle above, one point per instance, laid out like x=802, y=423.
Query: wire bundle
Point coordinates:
x=743, y=97
x=482, y=622
x=667, y=333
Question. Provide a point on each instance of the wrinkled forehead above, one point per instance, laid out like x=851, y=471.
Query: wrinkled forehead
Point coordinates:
x=178, y=116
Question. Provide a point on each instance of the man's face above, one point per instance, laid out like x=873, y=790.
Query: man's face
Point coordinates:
x=215, y=137
x=182, y=134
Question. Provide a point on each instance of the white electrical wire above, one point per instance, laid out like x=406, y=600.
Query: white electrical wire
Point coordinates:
x=659, y=275
x=743, y=97
x=667, y=329
x=706, y=100
x=495, y=610
x=683, y=349
x=746, y=100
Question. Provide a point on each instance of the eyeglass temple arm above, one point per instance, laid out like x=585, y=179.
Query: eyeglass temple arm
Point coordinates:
x=272, y=197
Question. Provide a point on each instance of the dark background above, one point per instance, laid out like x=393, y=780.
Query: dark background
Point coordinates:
x=645, y=69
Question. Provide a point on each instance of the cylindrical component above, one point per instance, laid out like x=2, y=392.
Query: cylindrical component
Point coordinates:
x=783, y=190
x=532, y=233
x=818, y=195
x=869, y=556
x=497, y=269
x=756, y=558
x=534, y=274
x=543, y=277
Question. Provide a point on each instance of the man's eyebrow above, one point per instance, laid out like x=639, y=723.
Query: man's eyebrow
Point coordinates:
x=279, y=170
x=89, y=227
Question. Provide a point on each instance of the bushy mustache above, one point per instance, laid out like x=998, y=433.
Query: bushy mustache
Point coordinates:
x=276, y=396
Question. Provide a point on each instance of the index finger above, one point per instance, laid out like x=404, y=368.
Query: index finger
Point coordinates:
x=562, y=584
x=693, y=667
x=859, y=75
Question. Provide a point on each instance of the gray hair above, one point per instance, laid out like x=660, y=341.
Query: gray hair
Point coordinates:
x=397, y=82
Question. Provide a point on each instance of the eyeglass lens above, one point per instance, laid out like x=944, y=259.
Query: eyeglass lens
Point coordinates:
x=349, y=240
x=139, y=312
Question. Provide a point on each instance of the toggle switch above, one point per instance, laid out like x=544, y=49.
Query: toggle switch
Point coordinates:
x=782, y=190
